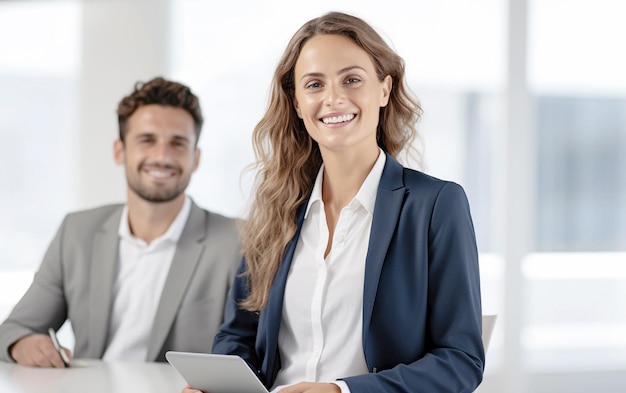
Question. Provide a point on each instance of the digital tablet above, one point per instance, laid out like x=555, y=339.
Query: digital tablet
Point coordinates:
x=215, y=373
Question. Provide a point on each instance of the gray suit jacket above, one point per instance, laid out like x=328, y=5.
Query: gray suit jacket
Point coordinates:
x=76, y=277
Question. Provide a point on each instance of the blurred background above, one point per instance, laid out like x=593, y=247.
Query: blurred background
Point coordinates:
x=524, y=106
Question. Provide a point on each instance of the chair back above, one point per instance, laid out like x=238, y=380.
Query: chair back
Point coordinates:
x=489, y=321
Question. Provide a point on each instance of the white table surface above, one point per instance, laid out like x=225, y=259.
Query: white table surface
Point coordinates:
x=92, y=376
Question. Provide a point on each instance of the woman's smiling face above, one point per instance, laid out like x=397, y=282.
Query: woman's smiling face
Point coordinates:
x=338, y=94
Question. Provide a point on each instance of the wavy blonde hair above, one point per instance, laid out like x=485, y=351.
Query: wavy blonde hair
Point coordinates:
x=287, y=159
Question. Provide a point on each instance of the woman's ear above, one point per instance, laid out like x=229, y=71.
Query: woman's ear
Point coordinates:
x=386, y=86
x=297, y=107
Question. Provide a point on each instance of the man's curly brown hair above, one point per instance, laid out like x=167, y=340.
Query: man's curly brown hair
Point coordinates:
x=159, y=91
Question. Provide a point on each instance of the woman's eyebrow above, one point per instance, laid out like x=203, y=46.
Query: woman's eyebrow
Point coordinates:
x=341, y=71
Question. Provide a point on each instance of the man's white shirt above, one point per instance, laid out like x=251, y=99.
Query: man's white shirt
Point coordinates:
x=140, y=278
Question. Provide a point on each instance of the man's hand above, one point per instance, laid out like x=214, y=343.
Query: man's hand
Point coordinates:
x=311, y=387
x=37, y=350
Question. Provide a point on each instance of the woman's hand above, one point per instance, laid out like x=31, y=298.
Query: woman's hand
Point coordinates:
x=189, y=389
x=309, y=387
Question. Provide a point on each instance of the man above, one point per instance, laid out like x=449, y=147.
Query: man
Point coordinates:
x=139, y=279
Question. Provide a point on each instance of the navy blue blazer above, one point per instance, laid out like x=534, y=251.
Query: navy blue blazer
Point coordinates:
x=421, y=298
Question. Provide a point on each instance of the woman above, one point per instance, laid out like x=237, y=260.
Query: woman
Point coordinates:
x=316, y=300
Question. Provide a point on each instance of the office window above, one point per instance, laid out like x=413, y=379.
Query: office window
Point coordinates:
x=581, y=140
x=575, y=279
x=577, y=78
x=38, y=96
x=39, y=64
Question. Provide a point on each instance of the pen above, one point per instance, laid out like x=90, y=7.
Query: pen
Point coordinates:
x=57, y=346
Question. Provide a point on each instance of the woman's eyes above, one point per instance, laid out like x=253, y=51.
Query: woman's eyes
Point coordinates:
x=317, y=84
x=313, y=85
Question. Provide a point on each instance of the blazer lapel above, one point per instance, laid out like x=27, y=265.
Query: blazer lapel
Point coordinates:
x=389, y=202
x=104, y=263
x=274, y=309
x=188, y=251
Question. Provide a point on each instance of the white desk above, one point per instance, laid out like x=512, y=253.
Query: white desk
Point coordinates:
x=92, y=376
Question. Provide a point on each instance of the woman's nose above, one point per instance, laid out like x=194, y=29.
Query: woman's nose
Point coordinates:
x=334, y=94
